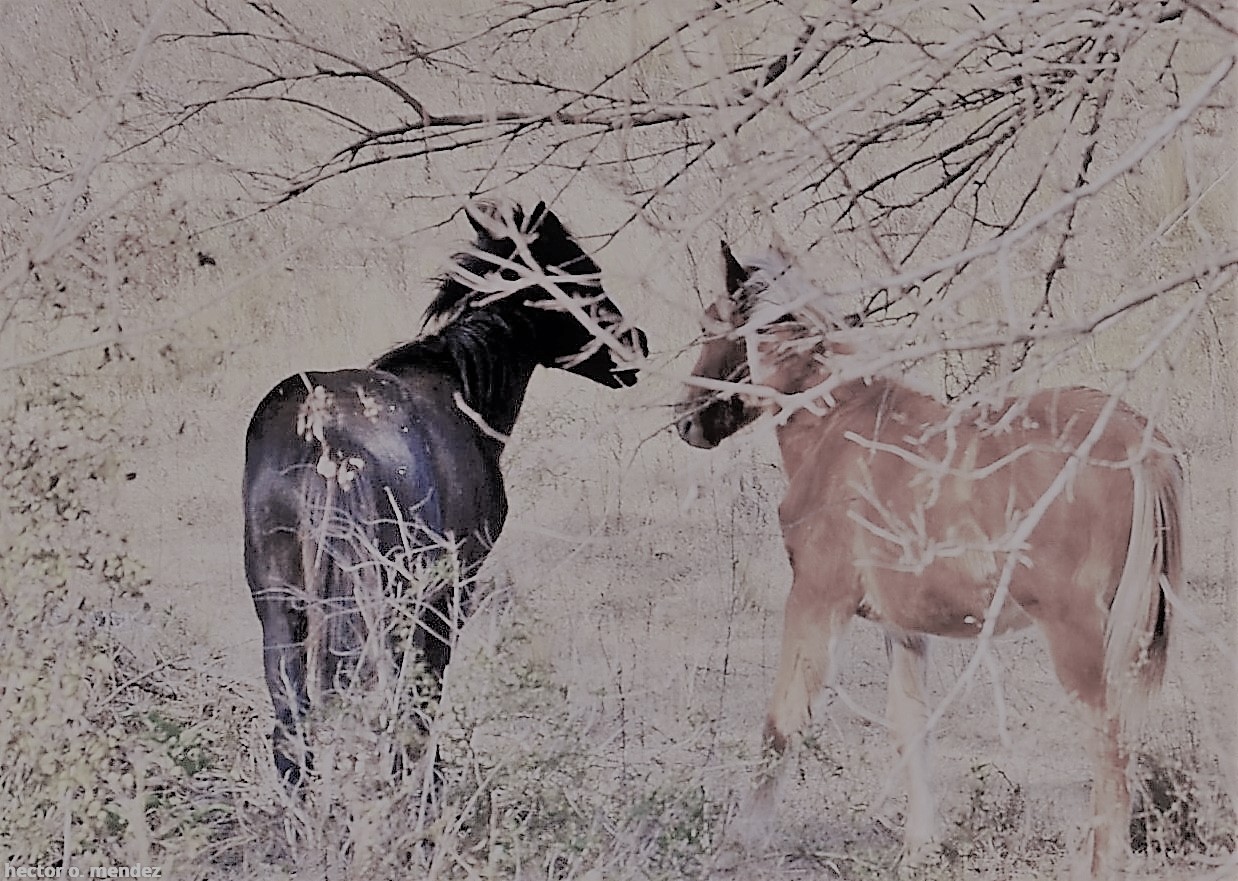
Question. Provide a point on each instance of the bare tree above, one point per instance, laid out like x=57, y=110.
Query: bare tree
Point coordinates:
x=922, y=160
x=917, y=135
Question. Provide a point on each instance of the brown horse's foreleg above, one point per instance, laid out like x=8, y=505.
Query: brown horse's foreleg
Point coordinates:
x=812, y=629
x=907, y=711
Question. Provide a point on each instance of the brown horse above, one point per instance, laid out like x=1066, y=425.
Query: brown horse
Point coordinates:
x=1059, y=508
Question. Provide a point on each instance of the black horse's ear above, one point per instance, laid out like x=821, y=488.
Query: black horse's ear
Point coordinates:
x=536, y=216
x=482, y=217
x=475, y=223
x=736, y=275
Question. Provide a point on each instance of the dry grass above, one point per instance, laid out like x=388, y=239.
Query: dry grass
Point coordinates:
x=588, y=732
x=601, y=720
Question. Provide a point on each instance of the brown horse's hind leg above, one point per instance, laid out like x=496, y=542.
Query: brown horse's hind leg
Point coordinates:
x=1077, y=647
x=1111, y=800
x=907, y=711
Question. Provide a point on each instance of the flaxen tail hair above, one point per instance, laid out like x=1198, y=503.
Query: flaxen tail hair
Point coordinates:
x=1137, y=631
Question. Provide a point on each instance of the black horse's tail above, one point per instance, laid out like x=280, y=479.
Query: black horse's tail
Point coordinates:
x=344, y=573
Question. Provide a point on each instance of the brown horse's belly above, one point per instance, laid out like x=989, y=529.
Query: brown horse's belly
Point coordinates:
x=933, y=602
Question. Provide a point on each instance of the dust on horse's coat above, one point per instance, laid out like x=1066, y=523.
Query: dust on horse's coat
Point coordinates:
x=357, y=480
x=911, y=514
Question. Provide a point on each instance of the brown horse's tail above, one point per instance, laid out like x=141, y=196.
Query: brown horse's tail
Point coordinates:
x=1137, y=632
x=343, y=572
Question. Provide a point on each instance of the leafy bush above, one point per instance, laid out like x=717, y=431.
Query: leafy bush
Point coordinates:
x=1179, y=809
x=106, y=761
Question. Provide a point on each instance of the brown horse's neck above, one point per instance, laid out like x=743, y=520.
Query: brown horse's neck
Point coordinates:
x=854, y=403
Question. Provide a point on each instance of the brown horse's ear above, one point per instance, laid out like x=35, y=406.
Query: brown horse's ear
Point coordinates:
x=736, y=275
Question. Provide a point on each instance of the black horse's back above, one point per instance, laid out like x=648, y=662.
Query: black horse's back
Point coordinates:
x=355, y=479
x=405, y=436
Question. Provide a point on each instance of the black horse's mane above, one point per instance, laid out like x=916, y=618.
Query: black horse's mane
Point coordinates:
x=552, y=247
x=475, y=344
x=478, y=344
x=454, y=295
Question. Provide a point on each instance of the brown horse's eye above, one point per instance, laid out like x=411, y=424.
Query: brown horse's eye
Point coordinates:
x=785, y=318
x=778, y=323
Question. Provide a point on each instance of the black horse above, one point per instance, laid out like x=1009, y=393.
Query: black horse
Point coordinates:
x=357, y=479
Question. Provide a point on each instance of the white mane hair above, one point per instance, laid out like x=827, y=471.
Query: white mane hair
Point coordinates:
x=778, y=286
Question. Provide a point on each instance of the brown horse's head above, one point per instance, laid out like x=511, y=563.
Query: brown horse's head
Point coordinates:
x=704, y=416
x=766, y=331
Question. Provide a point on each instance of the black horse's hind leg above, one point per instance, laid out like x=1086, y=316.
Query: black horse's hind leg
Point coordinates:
x=270, y=569
x=440, y=625
x=441, y=622
x=283, y=656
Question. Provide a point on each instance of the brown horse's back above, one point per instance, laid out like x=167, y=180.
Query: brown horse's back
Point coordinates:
x=911, y=510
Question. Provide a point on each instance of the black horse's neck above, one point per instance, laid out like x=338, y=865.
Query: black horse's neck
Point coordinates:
x=490, y=354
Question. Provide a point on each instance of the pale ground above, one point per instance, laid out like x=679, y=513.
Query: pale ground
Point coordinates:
x=649, y=576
